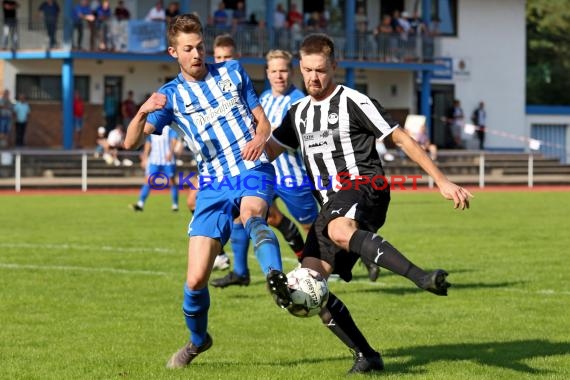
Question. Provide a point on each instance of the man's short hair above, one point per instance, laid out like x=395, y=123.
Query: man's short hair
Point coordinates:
x=278, y=53
x=224, y=40
x=318, y=43
x=186, y=23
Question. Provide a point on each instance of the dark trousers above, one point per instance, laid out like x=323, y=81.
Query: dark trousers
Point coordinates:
x=20, y=133
x=481, y=137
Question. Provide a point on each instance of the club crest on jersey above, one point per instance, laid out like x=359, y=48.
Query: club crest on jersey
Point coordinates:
x=225, y=85
x=333, y=118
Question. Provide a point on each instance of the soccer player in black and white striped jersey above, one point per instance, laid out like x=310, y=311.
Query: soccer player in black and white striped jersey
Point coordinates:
x=336, y=129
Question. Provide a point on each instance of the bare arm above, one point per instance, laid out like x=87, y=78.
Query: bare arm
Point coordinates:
x=448, y=189
x=138, y=127
x=254, y=148
x=273, y=149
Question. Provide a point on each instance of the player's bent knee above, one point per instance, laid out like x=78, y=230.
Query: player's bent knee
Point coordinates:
x=197, y=282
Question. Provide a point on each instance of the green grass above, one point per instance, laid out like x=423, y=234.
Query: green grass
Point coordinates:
x=90, y=290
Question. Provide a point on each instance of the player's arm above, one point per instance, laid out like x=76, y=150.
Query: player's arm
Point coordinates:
x=254, y=148
x=273, y=149
x=414, y=151
x=138, y=127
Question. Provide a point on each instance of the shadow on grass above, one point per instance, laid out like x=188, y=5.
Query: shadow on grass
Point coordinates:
x=413, y=290
x=507, y=355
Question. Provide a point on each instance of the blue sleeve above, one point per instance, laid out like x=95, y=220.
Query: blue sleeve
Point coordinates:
x=163, y=117
x=247, y=90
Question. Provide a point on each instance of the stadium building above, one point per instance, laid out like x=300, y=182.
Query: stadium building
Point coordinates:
x=466, y=49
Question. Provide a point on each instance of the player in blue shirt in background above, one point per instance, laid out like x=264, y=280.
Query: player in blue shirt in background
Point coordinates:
x=158, y=159
x=289, y=174
x=218, y=114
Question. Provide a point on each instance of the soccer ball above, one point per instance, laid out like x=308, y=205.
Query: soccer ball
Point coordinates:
x=309, y=292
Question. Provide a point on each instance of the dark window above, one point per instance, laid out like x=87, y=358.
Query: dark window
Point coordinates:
x=48, y=87
x=445, y=13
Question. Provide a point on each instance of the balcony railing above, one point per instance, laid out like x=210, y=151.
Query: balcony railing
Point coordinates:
x=251, y=41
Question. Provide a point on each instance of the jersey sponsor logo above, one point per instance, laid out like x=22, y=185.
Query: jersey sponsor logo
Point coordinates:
x=221, y=110
x=333, y=118
x=318, y=142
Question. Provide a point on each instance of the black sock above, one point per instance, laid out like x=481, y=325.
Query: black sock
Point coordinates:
x=336, y=317
x=372, y=247
x=291, y=234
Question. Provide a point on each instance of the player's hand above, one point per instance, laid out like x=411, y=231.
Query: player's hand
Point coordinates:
x=155, y=102
x=458, y=194
x=253, y=149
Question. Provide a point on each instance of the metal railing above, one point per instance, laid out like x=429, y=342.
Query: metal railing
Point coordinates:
x=251, y=40
x=77, y=167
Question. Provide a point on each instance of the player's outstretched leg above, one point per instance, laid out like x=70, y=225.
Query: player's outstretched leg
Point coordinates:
x=277, y=285
x=374, y=248
x=336, y=317
x=292, y=236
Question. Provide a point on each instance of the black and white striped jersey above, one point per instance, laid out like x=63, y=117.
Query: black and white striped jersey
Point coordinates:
x=337, y=136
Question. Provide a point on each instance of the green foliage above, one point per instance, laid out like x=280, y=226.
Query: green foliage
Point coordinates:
x=548, y=52
x=91, y=290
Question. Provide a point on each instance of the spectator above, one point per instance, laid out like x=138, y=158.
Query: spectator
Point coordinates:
x=172, y=11
x=102, y=25
x=294, y=16
x=102, y=147
x=81, y=16
x=455, y=124
x=239, y=17
x=221, y=16
x=128, y=108
x=115, y=141
x=479, y=118
x=361, y=20
x=78, y=114
x=50, y=9
x=156, y=13
x=110, y=108
x=10, y=24
x=6, y=118
x=122, y=16
x=279, y=24
x=385, y=38
x=22, y=110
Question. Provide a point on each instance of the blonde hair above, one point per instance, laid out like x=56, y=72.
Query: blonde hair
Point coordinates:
x=279, y=54
x=224, y=40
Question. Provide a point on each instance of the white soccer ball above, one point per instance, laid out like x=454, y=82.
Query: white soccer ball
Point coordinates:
x=309, y=292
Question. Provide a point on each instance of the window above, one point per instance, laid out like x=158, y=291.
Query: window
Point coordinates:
x=446, y=12
x=48, y=87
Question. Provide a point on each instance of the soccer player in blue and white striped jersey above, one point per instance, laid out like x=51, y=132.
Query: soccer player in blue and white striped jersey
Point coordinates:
x=218, y=114
x=289, y=171
x=158, y=159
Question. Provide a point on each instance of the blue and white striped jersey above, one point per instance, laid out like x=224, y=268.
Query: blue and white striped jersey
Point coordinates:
x=288, y=165
x=213, y=116
x=161, y=146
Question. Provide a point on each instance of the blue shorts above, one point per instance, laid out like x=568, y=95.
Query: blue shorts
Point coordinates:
x=218, y=203
x=5, y=125
x=77, y=123
x=169, y=170
x=300, y=203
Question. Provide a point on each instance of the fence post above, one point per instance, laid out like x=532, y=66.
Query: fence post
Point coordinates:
x=530, y=170
x=482, y=170
x=84, y=172
x=18, y=172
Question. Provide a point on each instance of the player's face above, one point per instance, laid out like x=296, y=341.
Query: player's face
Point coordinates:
x=223, y=53
x=190, y=52
x=278, y=75
x=318, y=75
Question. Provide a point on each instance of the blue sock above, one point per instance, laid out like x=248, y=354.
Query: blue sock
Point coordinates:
x=174, y=193
x=240, y=245
x=265, y=244
x=145, y=191
x=195, y=307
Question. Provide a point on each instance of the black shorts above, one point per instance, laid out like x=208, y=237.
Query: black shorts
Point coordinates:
x=366, y=206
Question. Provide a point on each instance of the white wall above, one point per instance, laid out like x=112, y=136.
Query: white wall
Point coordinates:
x=492, y=37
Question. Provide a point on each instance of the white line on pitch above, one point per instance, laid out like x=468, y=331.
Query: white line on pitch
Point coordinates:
x=66, y=246
x=82, y=269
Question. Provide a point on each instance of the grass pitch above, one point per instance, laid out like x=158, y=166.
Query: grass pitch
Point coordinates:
x=90, y=290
